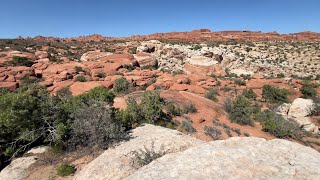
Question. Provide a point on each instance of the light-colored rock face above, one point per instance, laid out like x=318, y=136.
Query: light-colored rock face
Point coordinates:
x=300, y=108
x=116, y=163
x=299, y=111
x=236, y=158
x=94, y=55
x=38, y=150
x=18, y=169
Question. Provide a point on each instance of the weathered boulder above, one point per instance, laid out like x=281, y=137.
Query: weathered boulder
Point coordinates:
x=299, y=111
x=18, y=168
x=146, y=61
x=236, y=158
x=94, y=55
x=300, y=108
x=116, y=163
x=81, y=87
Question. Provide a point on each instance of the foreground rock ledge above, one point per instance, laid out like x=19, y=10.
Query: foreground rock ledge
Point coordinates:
x=189, y=158
x=237, y=158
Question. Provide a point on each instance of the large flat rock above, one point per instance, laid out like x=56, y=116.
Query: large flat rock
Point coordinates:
x=236, y=158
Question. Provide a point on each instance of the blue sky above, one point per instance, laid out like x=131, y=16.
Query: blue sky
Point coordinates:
x=120, y=18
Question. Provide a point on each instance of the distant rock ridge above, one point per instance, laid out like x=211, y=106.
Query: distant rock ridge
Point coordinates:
x=202, y=35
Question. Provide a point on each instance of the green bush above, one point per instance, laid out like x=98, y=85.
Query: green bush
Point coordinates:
x=145, y=156
x=102, y=75
x=65, y=170
x=80, y=79
x=122, y=86
x=187, y=126
x=20, y=61
x=240, y=82
x=212, y=132
x=274, y=94
x=248, y=93
x=241, y=111
x=189, y=108
x=173, y=109
x=309, y=90
x=95, y=124
x=212, y=95
x=79, y=69
x=275, y=124
x=148, y=111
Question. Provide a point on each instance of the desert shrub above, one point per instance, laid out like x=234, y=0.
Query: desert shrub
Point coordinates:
x=20, y=61
x=228, y=132
x=248, y=93
x=79, y=69
x=80, y=79
x=65, y=170
x=189, y=108
x=281, y=75
x=187, y=126
x=275, y=124
x=145, y=156
x=102, y=75
x=309, y=90
x=246, y=77
x=30, y=116
x=212, y=132
x=122, y=86
x=227, y=104
x=241, y=111
x=173, y=109
x=148, y=111
x=133, y=50
x=212, y=95
x=95, y=125
x=226, y=88
x=274, y=94
x=240, y=82
x=315, y=110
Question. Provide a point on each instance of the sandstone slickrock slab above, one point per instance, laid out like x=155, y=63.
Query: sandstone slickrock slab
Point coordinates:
x=236, y=158
x=17, y=170
x=116, y=163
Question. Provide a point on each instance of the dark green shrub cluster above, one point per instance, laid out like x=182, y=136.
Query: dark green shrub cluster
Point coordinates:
x=187, y=126
x=145, y=156
x=212, y=95
x=274, y=94
x=248, y=93
x=275, y=124
x=240, y=82
x=241, y=111
x=309, y=90
x=65, y=170
x=20, y=61
x=148, y=111
x=31, y=116
x=80, y=79
x=121, y=86
x=212, y=132
x=189, y=108
x=102, y=75
x=173, y=109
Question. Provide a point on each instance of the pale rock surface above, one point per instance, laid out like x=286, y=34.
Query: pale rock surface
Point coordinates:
x=38, y=150
x=299, y=111
x=116, y=163
x=18, y=168
x=236, y=158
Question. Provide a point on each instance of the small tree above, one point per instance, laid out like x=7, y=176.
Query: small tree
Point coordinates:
x=241, y=111
x=248, y=93
x=212, y=95
x=274, y=94
x=308, y=90
x=122, y=86
x=275, y=124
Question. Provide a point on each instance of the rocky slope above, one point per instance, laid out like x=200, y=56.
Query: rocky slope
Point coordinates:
x=184, y=157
